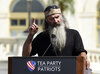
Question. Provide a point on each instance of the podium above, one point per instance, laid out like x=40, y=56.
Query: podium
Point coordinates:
x=46, y=65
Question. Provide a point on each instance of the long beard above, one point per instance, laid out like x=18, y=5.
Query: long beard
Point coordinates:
x=58, y=36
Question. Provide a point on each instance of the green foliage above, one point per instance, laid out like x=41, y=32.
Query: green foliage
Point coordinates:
x=65, y=5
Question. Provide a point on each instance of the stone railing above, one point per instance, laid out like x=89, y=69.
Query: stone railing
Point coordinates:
x=94, y=55
x=94, y=58
x=10, y=47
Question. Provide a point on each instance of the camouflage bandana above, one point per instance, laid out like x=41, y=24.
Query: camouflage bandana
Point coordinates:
x=52, y=11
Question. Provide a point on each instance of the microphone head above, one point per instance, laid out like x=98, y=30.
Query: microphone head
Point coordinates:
x=53, y=36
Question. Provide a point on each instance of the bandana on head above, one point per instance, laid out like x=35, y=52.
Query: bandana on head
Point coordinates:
x=52, y=11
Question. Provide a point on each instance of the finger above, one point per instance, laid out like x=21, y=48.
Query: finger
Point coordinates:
x=87, y=64
x=33, y=27
x=33, y=20
x=36, y=26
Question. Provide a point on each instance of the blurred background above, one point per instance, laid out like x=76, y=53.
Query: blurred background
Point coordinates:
x=17, y=15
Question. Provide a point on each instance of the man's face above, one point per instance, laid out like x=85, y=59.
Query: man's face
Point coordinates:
x=54, y=20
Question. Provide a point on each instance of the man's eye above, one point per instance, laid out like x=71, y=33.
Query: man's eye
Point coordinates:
x=57, y=17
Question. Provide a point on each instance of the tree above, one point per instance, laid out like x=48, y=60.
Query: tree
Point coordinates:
x=65, y=5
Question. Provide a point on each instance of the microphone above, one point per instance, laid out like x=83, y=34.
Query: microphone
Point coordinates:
x=53, y=36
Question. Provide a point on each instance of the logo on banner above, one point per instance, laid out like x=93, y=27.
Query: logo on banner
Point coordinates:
x=44, y=65
x=31, y=65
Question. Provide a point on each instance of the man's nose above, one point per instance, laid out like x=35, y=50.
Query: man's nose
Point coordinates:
x=55, y=20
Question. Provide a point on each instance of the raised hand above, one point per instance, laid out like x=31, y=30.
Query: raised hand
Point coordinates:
x=33, y=28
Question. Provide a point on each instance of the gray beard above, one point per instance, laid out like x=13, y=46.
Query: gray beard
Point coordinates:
x=58, y=36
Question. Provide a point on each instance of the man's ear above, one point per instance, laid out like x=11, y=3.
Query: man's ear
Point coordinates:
x=46, y=18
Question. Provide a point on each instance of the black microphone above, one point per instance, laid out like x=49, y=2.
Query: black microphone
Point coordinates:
x=53, y=36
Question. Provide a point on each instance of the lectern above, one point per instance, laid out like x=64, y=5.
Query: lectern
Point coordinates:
x=46, y=65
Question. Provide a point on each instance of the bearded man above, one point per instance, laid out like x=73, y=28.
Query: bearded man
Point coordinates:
x=56, y=39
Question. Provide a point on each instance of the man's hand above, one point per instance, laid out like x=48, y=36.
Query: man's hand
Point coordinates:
x=33, y=28
x=87, y=63
x=27, y=47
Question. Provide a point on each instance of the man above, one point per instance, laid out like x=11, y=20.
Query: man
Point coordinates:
x=56, y=39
